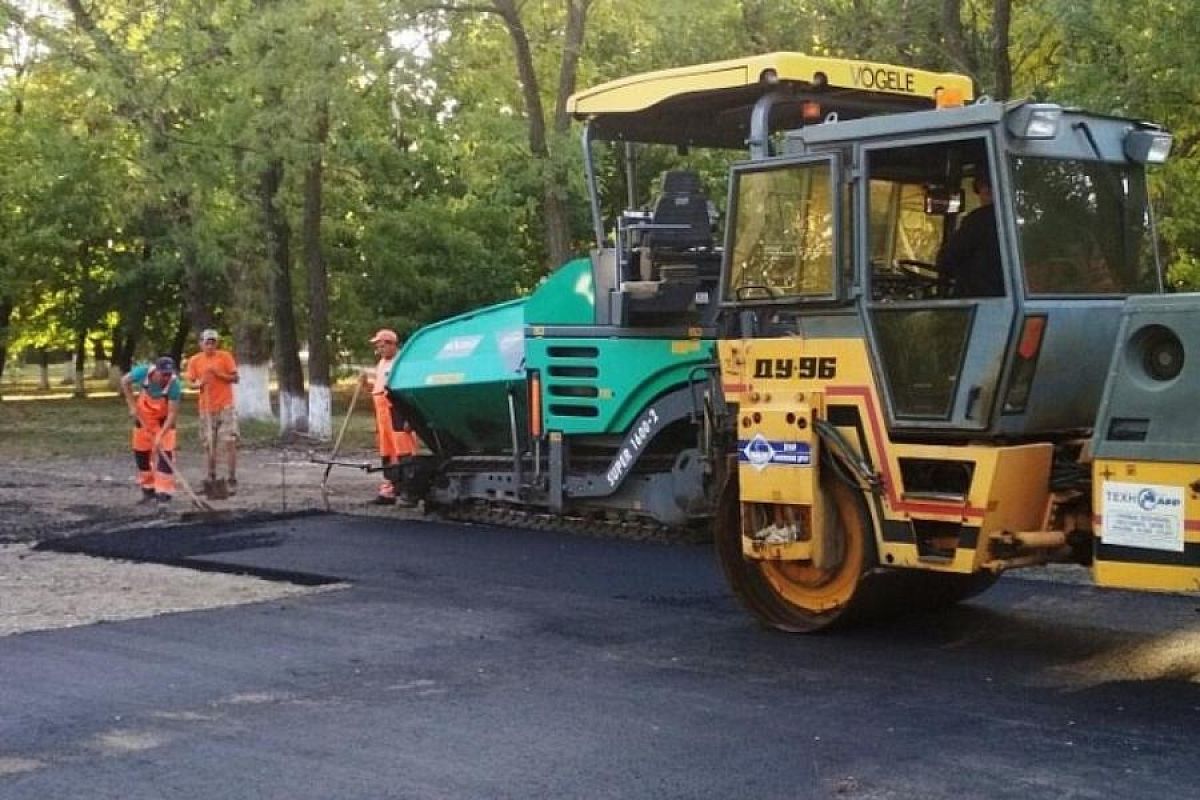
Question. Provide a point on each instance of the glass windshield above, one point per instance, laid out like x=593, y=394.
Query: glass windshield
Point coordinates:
x=933, y=230
x=1084, y=227
x=783, y=242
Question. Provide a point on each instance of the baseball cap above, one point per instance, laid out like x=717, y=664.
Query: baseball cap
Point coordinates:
x=385, y=335
x=208, y=333
x=165, y=364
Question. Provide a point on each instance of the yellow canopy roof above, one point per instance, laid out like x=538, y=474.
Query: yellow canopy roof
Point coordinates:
x=710, y=104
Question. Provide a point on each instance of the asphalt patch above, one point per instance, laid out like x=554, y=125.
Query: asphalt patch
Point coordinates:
x=189, y=546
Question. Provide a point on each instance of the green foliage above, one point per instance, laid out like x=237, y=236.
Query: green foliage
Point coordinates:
x=130, y=149
x=1151, y=70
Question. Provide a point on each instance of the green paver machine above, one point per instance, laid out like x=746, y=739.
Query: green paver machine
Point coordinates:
x=596, y=396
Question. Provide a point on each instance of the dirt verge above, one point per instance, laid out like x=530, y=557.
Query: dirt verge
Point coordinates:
x=64, y=497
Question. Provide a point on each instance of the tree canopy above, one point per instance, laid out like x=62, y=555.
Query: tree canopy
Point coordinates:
x=309, y=170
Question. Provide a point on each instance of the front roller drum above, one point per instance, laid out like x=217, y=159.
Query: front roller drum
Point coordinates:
x=799, y=596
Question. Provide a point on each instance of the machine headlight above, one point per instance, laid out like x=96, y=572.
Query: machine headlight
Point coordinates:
x=1148, y=147
x=1156, y=352
x=1035, y=121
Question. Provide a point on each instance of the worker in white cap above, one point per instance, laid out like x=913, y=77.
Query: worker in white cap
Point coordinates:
x=213, y=372
x=394, y=441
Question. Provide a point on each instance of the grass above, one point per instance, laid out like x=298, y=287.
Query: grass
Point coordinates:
x=35, y=425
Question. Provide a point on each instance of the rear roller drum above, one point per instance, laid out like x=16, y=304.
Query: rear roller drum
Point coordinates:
x=798, y=596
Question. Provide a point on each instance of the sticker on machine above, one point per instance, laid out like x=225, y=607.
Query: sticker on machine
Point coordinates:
x=459, y=347
x=1142, y=515
x=760, y=452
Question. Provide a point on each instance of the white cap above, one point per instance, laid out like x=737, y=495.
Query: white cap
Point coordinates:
x=208, y=333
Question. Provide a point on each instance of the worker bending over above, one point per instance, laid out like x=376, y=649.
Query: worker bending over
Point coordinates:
x=153, y=407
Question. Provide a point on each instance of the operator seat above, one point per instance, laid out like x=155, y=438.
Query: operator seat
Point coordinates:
x=682, y=202
x=672, y=262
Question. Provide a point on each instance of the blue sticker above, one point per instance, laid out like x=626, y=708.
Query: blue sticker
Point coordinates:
x=760, y=452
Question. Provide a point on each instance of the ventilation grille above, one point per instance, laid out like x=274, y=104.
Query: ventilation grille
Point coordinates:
x=571, y=384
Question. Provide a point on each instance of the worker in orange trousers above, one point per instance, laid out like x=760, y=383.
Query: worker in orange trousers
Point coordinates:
x=154, y=407
x=395, y=441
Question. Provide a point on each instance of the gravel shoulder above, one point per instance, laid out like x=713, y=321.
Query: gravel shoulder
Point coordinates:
x=61, y=497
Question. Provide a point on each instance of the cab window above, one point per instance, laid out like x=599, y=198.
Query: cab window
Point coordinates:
x=1084, y=227
x=901, y=231
x=784, y=240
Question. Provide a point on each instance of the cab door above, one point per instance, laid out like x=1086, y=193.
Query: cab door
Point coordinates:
x=939, y=342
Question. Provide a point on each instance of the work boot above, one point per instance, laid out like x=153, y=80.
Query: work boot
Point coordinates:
x=231, y=485
x=381, y=500
x=147, y=497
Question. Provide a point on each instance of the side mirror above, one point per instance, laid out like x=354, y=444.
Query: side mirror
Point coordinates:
x=943, y=200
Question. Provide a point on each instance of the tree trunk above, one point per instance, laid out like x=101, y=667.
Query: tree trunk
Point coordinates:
x=568, y=74
x=555, y=228
x=180, y=337
x=80, y=364
x=954, y=37
x=248, y=318
x=555, y=210
x=293, y=410
x=320, y=406
x=43, y=369
x=6, y=309
x=126, y=337
x=1001, y=24
x=99, y=360
x=197, y=293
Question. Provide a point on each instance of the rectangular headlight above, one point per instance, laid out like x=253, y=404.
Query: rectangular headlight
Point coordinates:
x=1148, y=147
x=1035, y=121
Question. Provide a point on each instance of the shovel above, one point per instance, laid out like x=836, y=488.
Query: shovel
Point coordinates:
x=214, y=488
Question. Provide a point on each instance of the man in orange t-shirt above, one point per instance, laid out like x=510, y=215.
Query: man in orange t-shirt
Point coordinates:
x=214, y=372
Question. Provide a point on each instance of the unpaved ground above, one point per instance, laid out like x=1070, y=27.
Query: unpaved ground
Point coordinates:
x=63, y=497
x=43, y=590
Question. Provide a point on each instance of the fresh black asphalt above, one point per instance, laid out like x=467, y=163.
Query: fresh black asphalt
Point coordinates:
x=476, y=662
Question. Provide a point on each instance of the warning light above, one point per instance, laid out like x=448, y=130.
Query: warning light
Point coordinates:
x=948, y=98
x=810, y=111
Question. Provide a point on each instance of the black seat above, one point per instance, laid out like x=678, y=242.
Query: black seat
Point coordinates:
x=682, y=202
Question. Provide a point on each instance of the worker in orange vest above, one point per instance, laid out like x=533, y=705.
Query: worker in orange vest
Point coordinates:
x=153, y=409
x=393, y=444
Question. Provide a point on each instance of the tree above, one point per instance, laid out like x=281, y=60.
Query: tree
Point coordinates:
x=540, y=131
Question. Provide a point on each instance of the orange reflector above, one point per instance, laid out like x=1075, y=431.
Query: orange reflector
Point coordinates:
x=535, y=403
x=810, y=111
x=948, y=98
x=1031, y=337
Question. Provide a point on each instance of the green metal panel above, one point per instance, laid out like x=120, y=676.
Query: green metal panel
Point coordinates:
x=599, y=385
x=457, y=374
x=567, y=297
